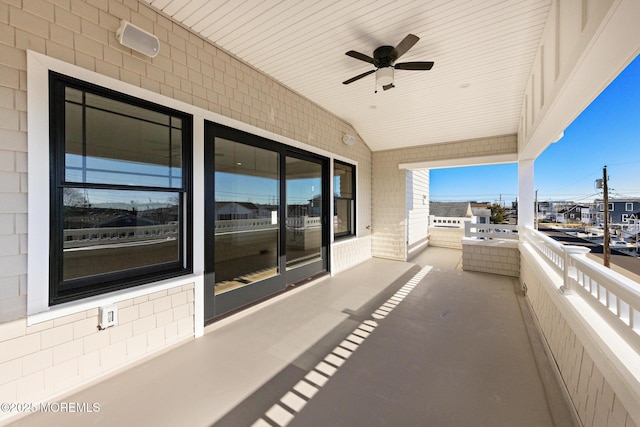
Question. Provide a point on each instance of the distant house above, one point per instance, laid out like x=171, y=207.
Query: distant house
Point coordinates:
x=449, y=214
x=620, y=210
x=543, y=210
x=564, y=211
x=235, y=210
x=266, y=211
x=315, y=206
x=575, y=213
x=481, y=212
x=127, y=220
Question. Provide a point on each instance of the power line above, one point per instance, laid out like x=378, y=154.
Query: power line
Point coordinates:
x=624, y=163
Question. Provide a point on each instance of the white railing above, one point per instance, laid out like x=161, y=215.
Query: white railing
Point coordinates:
x=84, y=237
x=554, y=252
x=491, y=231
x=243, y=224
x=613, y=296
x=632, y=230
x=304, y=222
x=255, y=224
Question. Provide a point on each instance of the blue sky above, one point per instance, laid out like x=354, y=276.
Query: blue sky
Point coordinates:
x=606, y=133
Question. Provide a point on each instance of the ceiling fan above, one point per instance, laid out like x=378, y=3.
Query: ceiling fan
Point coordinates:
x=384, y=59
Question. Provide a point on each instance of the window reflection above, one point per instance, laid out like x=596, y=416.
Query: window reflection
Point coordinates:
x=120, y=144
x=304, y=212
x=120, y=193
x=112, y=230
x=344, y=199
x=246, y=214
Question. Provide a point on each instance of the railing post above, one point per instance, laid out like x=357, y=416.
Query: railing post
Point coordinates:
x=568, y=286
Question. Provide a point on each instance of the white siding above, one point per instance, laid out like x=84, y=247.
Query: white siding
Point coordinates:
x=417, y=208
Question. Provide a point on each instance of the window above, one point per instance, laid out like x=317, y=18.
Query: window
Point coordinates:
x=610, y=207
x=628, y=207
x=120, y=199
x=344, y=211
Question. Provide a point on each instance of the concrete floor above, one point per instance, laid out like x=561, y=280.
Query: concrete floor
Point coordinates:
x=383, y=344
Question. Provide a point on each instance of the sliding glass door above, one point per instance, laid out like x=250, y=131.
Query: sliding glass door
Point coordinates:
x=265, y=216
x=303, y=212
x=246, y=214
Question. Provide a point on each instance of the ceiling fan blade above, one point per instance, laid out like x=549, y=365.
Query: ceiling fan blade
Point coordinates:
x=422, y=65
x=358, y=77
x=360, y=56
x=389, y=86
x=406, y=44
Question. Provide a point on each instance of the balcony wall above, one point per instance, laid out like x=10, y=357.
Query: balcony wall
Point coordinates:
x=491, y=256
x=446, y=237
x=594, y=344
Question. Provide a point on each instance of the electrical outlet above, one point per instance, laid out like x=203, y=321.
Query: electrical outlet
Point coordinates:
x=108, y=316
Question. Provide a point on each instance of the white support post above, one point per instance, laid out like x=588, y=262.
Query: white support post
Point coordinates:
x=569, y=272
x=526, y=194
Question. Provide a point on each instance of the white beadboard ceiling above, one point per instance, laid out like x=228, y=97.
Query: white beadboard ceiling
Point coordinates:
x=483, y=52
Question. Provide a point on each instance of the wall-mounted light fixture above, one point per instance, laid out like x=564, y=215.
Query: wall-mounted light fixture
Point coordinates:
x=137, y=39
x=348, y=139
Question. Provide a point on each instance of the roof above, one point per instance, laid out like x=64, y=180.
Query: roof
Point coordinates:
x=481, y=211
x=247, y=205
x=450, y=209
x=620, y=200
x=573, y=208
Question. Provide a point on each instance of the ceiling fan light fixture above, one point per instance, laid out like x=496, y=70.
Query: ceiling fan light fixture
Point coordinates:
x=384, y=76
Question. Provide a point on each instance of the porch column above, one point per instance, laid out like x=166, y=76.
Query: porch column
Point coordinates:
x=526, y=193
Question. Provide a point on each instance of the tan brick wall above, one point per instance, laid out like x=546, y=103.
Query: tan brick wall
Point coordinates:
x=389, y=208
x=389, y=198
x=348, y=253
x=446, y=237
x=51, y=357
x=491, y=258
x=187, y=69
x=592, y=395
x=13, y=168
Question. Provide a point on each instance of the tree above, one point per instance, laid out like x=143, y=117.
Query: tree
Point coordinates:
x=498, y=214
x=73, y=197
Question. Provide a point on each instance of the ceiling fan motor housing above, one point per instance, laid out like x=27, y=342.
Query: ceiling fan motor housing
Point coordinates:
x=382, y=56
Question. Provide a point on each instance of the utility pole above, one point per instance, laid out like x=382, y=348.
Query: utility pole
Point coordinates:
x=605, y=191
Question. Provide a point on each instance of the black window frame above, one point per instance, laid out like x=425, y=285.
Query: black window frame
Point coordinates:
x=352, y=231
x=60, y=290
